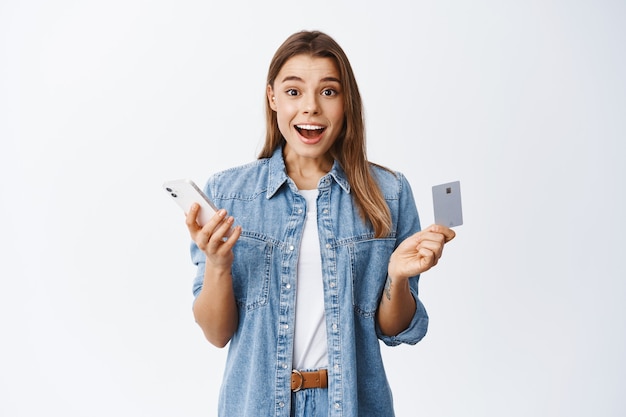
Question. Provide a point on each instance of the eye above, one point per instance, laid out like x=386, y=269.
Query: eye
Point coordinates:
x=329, y=92
x=292, y=92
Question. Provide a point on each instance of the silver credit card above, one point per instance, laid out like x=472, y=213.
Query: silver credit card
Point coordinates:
x=447, y=204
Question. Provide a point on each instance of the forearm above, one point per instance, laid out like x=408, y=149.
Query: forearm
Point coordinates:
x=215, y=309
x=397, y=307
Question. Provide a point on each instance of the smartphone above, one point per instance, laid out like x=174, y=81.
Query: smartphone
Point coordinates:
x=185, y=192
x=447, y=204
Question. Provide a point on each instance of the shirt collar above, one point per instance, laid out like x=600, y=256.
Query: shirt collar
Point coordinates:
x=278, y=174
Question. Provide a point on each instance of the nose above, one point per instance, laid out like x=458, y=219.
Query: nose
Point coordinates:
x=310, y=104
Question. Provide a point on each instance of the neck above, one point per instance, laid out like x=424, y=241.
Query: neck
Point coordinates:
x=306, y=172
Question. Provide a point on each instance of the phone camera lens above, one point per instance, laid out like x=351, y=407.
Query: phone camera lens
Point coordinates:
x=169, y=190
x=174, y=195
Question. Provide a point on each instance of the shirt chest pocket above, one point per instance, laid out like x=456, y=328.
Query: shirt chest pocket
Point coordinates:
x=369, y=259
x=251, y=272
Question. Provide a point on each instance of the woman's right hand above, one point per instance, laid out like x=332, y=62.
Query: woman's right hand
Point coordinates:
x=214, y=238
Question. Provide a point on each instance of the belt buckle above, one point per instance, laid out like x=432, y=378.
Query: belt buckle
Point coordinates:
x=298, y=373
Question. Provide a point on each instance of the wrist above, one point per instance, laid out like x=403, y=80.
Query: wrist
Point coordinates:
x=396, y=275
x=217, y=272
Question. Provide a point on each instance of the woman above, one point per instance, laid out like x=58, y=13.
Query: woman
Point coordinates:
x=325, y=256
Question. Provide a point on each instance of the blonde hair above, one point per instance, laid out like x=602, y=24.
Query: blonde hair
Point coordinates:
x=349, y=149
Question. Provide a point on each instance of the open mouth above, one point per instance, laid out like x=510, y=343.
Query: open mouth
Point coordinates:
x=310, y=131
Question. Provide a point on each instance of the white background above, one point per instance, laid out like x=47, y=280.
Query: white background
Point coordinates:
x=523, y=101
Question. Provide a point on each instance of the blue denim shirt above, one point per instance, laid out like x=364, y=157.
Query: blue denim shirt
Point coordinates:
x=266, y=203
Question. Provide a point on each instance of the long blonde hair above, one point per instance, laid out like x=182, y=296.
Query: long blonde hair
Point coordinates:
x=349, y=149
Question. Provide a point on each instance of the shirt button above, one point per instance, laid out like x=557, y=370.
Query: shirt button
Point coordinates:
x=328, y=246
x=325, y=211
x=337, y=406
x=285, y=366
x=299, y=211
x=335, y=326
x=286, y=326
x=291, y=248
x=281, y=404
x=332, y=285
x=288, y=286
x=336, y=366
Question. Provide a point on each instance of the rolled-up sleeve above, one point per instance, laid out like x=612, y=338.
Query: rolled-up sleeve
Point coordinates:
x=418, y=327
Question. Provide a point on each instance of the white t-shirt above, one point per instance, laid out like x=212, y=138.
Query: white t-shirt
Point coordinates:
x=310, y=344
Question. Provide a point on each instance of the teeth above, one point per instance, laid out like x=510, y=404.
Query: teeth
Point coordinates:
x=309, y=127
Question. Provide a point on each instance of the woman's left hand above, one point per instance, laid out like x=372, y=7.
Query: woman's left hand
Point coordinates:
x=420, y=252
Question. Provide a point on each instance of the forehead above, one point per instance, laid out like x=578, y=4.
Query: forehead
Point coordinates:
x=309, y=68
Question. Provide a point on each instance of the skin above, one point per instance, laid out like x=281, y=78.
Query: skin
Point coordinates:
x=307, y=92
x=306, y=96
x=215, y=309
x=415, y=255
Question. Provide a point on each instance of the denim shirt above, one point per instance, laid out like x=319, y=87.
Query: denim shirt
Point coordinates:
x=266, y=203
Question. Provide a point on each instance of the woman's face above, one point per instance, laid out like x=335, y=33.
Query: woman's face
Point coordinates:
x=308, y=102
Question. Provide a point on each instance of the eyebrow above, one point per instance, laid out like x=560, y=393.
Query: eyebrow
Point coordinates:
x=296, y=78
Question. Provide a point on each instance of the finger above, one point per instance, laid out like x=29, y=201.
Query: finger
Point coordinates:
x=202, y=235
x=191, y=218
x=427, y=259
x=448, y=233
x=214, y=222
x=429, y=236
x=208, y=230
x=220, y=233
x=229, y=243
x=434, y=247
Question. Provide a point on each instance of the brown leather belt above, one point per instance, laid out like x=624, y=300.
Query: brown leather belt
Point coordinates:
x=305, y=380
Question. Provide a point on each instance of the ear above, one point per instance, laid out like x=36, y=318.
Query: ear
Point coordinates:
x=271, y=98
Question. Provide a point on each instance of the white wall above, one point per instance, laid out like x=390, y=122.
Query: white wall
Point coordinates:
x=523, y=101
